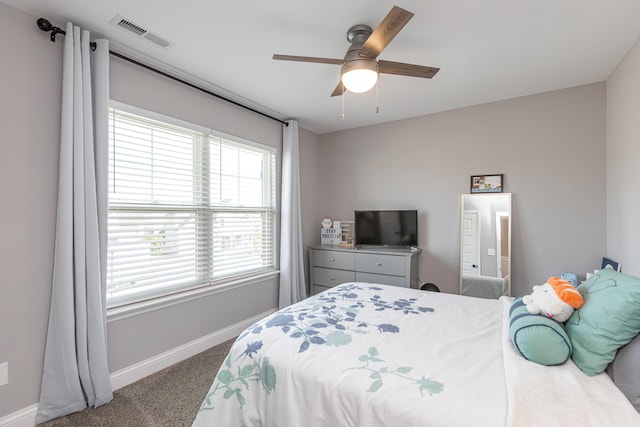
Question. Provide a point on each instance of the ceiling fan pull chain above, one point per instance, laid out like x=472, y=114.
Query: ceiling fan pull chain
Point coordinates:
x=343, y=96
x=377, y=93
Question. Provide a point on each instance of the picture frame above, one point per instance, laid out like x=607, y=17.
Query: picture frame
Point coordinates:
x=487, y=183
x=609, y=263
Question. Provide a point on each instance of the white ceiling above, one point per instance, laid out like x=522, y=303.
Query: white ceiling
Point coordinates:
x=487, y=50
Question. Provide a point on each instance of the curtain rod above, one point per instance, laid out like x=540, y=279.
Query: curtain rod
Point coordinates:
x=45, y=25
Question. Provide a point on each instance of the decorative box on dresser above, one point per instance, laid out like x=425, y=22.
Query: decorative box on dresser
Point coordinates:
x=332, y=265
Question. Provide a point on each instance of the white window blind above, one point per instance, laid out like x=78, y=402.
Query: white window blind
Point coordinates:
x=186, y=209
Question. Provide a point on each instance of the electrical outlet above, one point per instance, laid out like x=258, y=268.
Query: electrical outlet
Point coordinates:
x=4, y=373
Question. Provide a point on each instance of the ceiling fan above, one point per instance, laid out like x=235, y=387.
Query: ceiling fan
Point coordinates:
x=360, y=66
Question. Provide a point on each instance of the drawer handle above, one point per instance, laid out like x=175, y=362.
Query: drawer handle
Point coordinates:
x=333, y=279
x=333, y=260
x=379, y=264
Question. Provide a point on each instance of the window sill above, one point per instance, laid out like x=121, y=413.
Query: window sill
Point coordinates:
x=136, y=309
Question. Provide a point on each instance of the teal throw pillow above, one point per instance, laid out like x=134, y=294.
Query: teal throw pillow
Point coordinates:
x=609, y=319
x=536, y=337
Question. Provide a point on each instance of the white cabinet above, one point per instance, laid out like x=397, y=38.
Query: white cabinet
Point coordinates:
x=333, y=265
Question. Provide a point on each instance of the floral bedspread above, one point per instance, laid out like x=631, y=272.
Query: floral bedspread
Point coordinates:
x=363, y=354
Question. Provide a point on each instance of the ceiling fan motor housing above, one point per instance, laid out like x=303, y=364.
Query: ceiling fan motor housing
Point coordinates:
x=357, y=35
x=360, y=66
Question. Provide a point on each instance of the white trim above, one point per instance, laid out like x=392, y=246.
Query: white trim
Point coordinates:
x=26, y=417
x=158, y=117
x=188, y=126
x=499, y=237
x=135, y=372
x=136, y=309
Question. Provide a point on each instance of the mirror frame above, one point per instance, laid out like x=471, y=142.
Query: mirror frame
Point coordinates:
x=509, y=230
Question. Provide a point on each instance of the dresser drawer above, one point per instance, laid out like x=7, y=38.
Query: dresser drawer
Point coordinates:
x=381, y=264
x=382, y=279
x=332, y=277
x=332, y=266
x=333, y=259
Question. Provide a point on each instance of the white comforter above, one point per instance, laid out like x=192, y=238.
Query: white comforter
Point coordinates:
x=372, y=355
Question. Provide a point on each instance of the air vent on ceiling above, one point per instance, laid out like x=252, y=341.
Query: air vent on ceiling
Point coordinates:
x=124, y=23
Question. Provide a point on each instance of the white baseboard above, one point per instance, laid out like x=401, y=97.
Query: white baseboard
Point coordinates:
x=156, y=363
x=26, y=417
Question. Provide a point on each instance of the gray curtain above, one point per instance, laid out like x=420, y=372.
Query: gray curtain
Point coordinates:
x=75, y=372
x=292, y=283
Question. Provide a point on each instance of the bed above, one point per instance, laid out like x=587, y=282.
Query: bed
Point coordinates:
x=363, y=354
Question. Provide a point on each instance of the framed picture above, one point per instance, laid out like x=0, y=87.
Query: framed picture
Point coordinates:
x=608, y=263
x=486, y=183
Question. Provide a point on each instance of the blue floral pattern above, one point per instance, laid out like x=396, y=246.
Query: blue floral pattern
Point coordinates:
x=325, y=320
x=377, y=374
x=257, y=370
x=330, y=318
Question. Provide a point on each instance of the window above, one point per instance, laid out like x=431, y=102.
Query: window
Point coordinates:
x=186, y=208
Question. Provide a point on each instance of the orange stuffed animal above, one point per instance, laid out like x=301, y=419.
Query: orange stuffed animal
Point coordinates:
x=555, y=299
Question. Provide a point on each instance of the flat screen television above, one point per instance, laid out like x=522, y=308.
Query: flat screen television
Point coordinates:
x=397, y=228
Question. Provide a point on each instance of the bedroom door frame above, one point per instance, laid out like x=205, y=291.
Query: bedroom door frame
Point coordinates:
x=501, y=216
x=471, y=221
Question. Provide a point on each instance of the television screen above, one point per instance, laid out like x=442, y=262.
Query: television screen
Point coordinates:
x=386, y=228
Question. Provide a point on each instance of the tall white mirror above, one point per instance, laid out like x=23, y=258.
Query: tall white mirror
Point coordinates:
x=485, y=245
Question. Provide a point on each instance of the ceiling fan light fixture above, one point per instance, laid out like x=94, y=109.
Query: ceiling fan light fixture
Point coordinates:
x=359, y=75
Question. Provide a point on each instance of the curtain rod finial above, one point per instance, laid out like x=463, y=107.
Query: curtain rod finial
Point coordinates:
x=44, y=24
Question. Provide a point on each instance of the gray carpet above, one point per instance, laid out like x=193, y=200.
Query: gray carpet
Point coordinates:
x=170, y=397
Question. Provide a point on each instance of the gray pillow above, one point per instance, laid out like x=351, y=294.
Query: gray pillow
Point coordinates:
x=625, y=371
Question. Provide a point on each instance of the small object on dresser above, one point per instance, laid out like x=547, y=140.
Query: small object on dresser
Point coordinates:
x=327, y=223
x=330, y=236
x=347, y=232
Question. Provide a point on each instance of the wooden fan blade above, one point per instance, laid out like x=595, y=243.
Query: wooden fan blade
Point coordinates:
x=402, y=69
x=339, y=90
x=308, y=59
x=390, y=26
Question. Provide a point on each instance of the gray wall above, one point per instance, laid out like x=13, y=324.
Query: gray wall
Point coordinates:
x=309, y=202
x=623, y=163
x=30, y=87
x=29, y=139
x=550, y=148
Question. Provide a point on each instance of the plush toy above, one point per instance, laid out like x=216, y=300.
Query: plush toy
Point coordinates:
x=555, y=299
